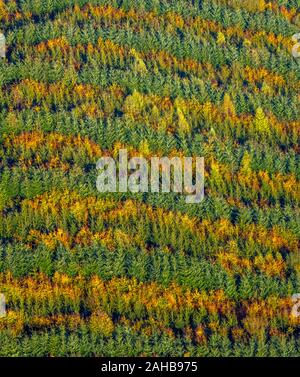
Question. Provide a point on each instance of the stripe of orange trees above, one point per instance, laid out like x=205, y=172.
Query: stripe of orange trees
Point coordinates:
x=113, y=239
x=152, y=296
x=56, y=203
x=261, y=6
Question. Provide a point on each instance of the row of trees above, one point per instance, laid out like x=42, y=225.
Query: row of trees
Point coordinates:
x=89, y=273
x=127, y=342
x=40, y=302
x=236, y=179
x=151, y=264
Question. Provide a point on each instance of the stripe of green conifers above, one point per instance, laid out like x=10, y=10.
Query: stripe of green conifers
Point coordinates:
x=226, y=15
x=36, y=181
x=154, y=264
x=127, y=342
x=202, y=48
x=284, y=106
x=206, y=55
x=175, y=308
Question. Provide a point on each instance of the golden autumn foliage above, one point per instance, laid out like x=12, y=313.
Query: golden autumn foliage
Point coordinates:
x=101, y=323
x=87, y=273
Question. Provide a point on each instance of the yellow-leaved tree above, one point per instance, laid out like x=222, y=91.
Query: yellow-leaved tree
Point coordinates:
x=221, y=38
x=144, y=148
x=261, y=122
x=228, y=106
x=134, y=104
x=183, y=124
x=139, y=64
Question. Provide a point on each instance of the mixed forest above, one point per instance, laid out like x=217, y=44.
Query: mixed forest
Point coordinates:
x=86, y=273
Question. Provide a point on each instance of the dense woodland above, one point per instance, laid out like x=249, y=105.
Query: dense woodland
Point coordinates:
x=120, y=274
